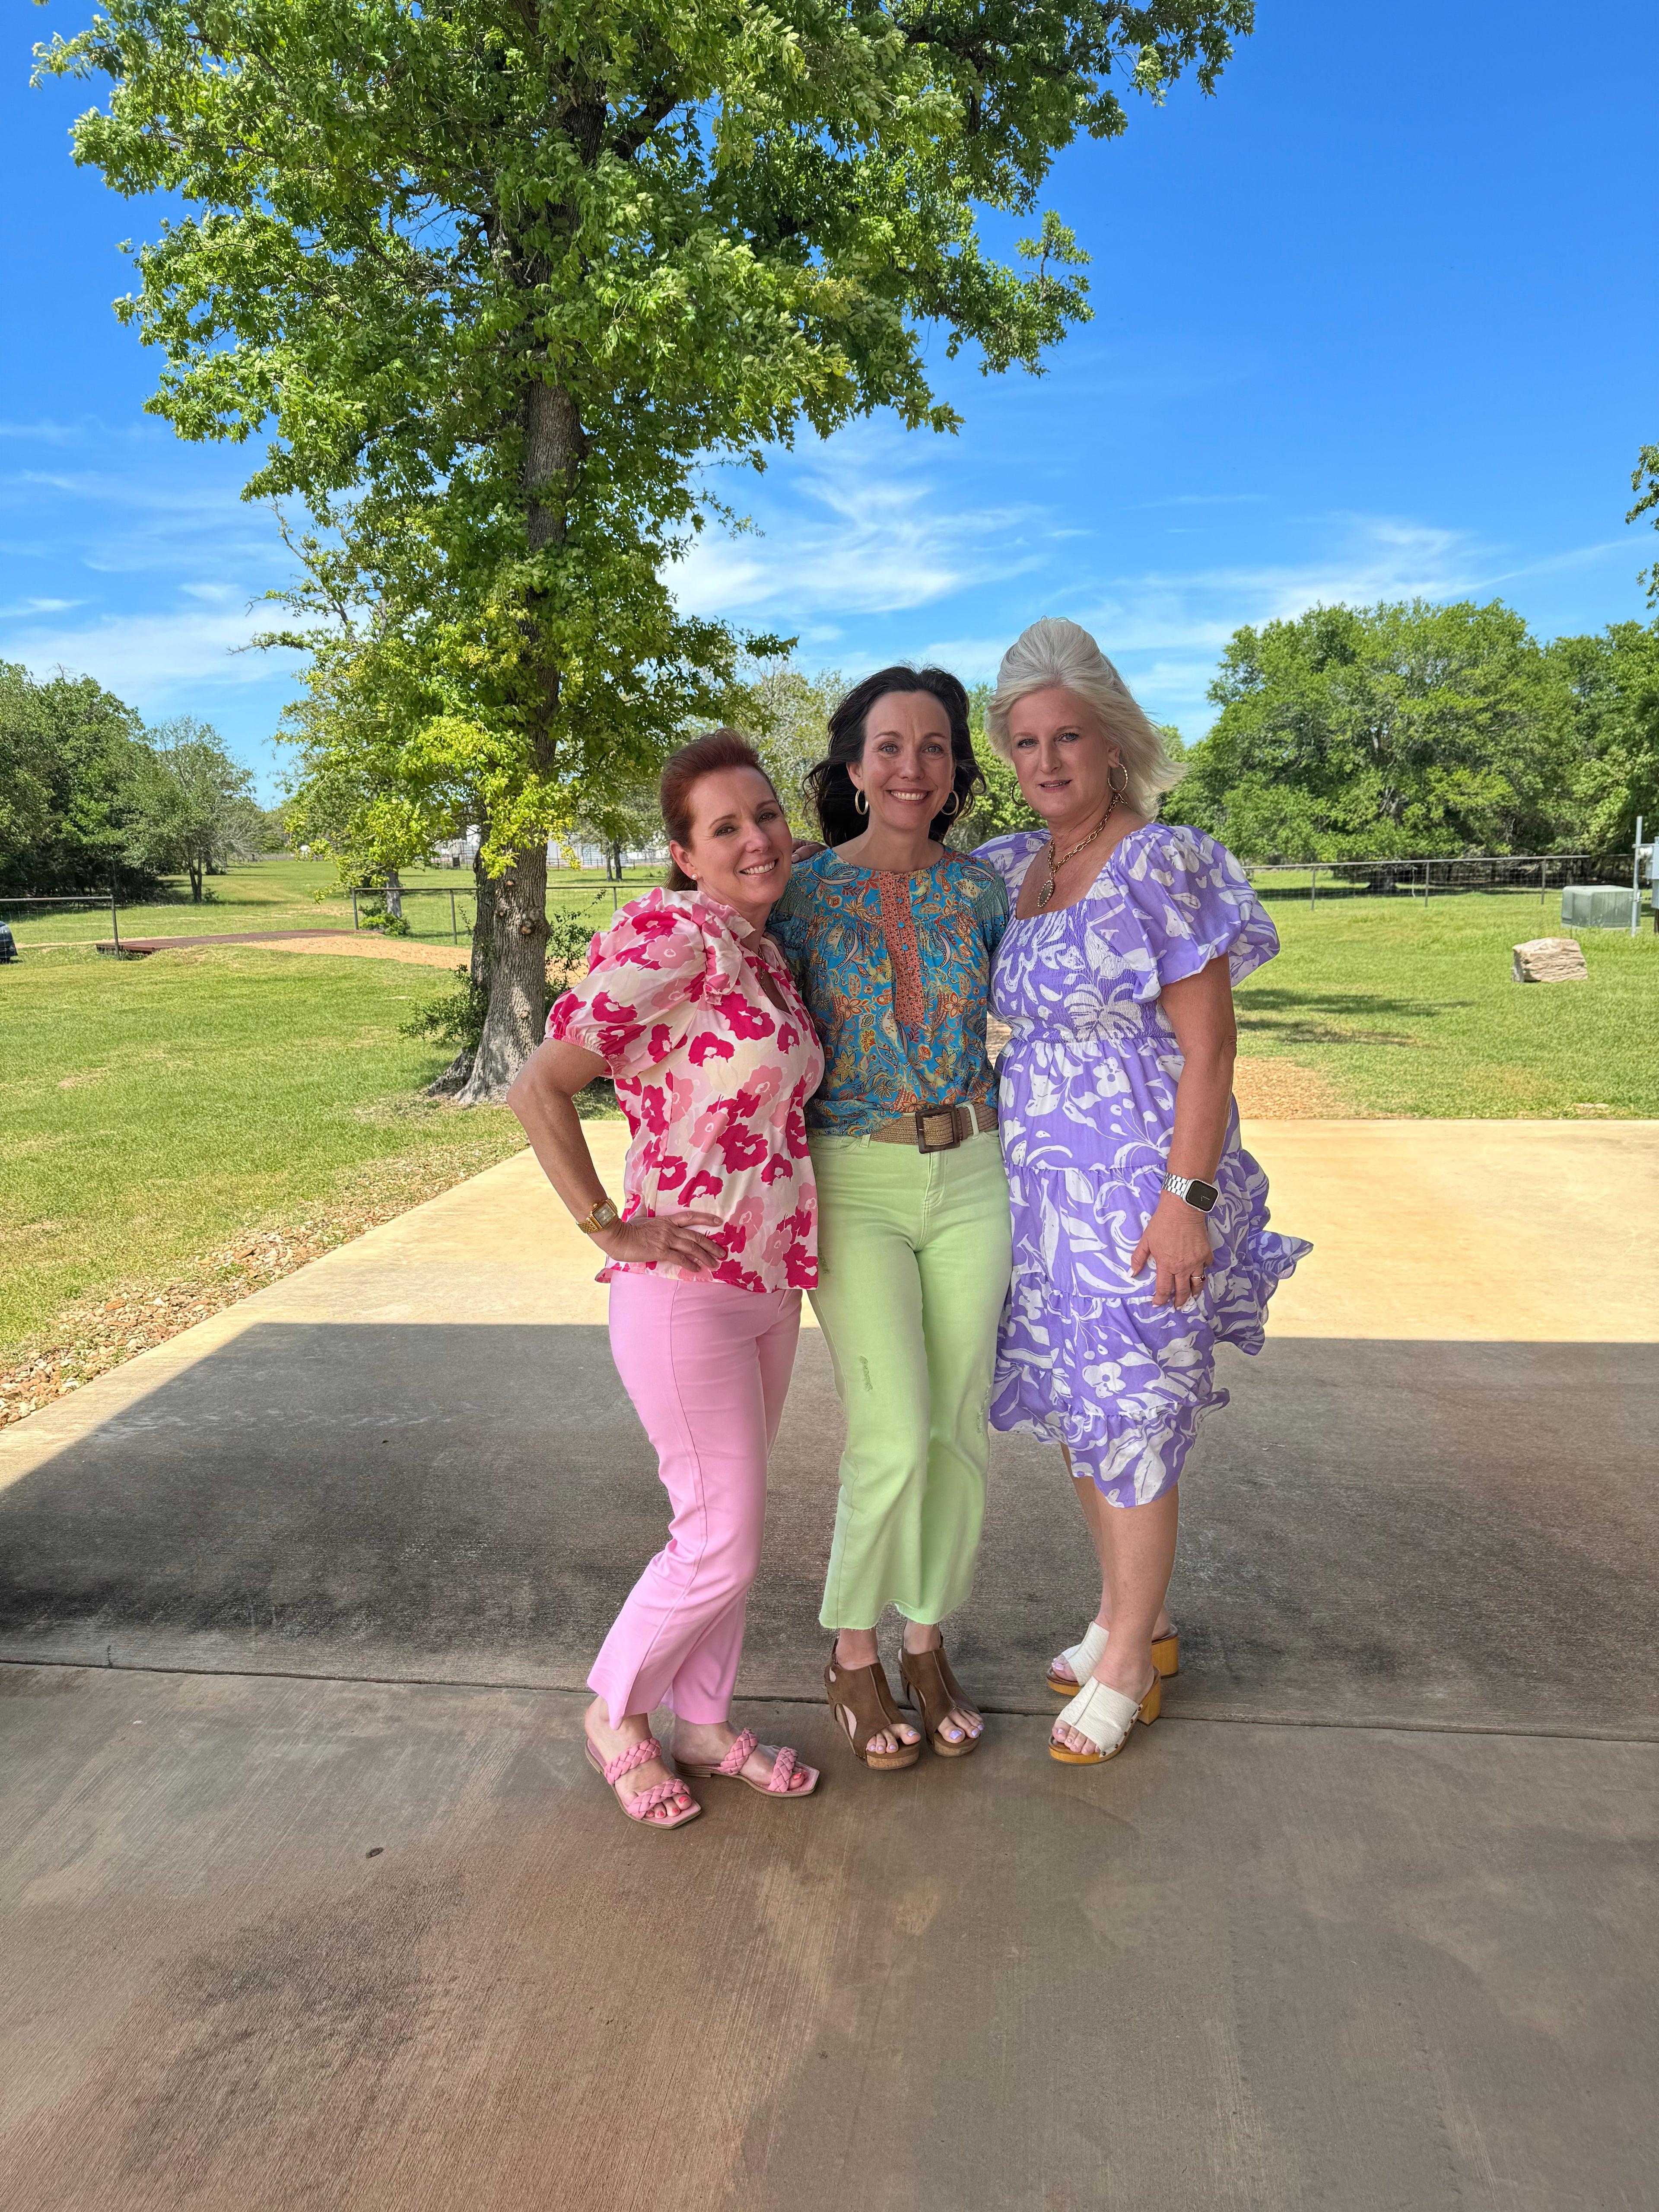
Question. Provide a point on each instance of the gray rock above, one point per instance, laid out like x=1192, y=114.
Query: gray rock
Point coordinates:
x=1550, y=960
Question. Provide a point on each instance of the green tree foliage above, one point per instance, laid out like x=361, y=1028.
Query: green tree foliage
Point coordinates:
x=195, y=811
x=1614, y=775
x=503, y=279
x=1645, y=482
x=791, y=715
x=271, y=834
x=619, y=822
x=1392, y=730
x=999, y=806
x=73, y=772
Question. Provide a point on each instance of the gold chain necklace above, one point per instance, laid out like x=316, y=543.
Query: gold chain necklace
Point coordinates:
x=1057, y=864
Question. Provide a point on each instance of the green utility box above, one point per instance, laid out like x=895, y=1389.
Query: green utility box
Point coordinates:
x=1595, y=906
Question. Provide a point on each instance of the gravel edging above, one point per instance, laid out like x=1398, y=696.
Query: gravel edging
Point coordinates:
x=94, y=1335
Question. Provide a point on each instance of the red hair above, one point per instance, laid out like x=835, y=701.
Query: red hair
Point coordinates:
x=686, y=770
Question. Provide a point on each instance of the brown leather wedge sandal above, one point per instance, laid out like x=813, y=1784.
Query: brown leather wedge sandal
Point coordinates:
x=934, y=1693
x=860, y=1694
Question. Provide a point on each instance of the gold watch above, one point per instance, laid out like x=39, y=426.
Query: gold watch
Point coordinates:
x=605, y=1216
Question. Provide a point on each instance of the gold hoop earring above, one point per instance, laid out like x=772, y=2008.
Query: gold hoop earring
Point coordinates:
x=1119, y=789
x=956, y=801
x=860, y=804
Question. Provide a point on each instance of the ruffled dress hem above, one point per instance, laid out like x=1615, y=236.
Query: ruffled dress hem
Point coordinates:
x=1133, y=1451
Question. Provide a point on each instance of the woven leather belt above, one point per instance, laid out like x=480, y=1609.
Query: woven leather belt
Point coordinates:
x=936, y=1129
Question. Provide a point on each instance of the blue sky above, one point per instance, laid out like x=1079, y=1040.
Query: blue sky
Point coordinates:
x=1380, y=318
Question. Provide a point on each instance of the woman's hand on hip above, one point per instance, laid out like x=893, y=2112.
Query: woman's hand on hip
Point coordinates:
x=1177, y=1241
x=672, y=1238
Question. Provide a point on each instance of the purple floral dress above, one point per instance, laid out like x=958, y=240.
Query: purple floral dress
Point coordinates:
x=1087, y=1109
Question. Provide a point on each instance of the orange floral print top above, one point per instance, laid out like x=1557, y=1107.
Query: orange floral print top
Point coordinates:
x=896, y=971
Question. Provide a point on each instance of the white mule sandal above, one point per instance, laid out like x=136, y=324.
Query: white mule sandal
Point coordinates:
x=1105, y=1716
x=1083, y=1658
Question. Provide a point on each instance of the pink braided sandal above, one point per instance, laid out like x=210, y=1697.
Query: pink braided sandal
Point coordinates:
x=639, y=1808
x=730, y=1769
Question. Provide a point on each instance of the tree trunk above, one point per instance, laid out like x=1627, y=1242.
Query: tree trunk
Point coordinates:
x=515, y=951
x=483, y=923
x=195, y=868
x=456, y=1076
x=518, y=978
x=394, y=897
x=552, y=447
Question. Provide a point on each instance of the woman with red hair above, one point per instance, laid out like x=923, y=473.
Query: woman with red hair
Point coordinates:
x=690, y=1009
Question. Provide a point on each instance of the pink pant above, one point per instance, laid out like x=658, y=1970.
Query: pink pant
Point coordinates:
x=707, y=1366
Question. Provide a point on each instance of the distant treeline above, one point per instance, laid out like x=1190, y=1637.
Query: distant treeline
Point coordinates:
x=1397, y=731
x=91, y=800
x=1394, y=730
x=1411, y=729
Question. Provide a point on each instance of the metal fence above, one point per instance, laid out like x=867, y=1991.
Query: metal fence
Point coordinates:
x=100, y=900
x=1439, y=875
x=368, y=907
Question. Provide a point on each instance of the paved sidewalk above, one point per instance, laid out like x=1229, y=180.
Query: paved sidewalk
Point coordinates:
x=362, y=945
x=1362, y=1925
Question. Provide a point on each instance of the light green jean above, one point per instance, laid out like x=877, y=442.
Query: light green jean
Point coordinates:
x=914, y=1254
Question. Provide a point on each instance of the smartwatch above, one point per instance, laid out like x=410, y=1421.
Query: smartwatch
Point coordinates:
x=1203, y=1195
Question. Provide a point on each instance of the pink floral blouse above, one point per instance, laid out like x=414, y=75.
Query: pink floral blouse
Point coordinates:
x=713, y=1078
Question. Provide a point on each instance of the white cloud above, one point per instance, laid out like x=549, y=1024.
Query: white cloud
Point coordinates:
x=871, y=525
x=156, y=660
x=864, y=533
x=1378, y=557
x=1558, y=564
x=1199, y=499
x=975, y=659
x=125, y=492
x=131, y=523
x=1166, y=630
x=44, y=433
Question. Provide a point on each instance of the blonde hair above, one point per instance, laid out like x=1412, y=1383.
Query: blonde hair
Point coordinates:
x=1056, y=651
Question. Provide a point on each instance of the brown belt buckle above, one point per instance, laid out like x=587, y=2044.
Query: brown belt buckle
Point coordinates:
x=945, y=1114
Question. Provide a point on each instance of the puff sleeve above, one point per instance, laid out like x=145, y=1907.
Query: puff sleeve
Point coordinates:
x=1010, y=855
x=644, y=984
x=1190, y=901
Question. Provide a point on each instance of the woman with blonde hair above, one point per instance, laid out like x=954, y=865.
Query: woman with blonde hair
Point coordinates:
x=1140, y=1236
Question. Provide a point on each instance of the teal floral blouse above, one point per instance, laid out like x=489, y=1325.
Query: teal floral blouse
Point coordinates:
x=895, y=971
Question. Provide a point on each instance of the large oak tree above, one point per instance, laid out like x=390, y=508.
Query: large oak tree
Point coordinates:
x=499, y=277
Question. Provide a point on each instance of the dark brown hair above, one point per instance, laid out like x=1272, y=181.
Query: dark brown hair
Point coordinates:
x=831, y=788
x=682, y=773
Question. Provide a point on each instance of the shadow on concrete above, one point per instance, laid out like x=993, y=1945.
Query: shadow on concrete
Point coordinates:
x=1417, y=1533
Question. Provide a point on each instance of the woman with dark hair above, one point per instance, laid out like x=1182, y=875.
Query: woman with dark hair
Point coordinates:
x=891, y=935
x=690, y=1009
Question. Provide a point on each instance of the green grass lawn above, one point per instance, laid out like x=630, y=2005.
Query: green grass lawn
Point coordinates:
x=1408, y=1008
x=155, y=1108
x=288, y=894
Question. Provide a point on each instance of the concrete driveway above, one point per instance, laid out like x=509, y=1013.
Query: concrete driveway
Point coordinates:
x=308, y=1899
